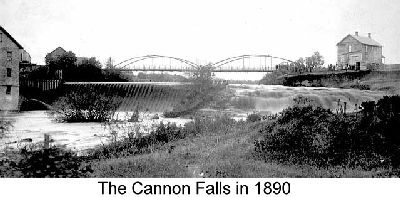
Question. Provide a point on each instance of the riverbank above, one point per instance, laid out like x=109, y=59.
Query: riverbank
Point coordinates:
x=387, y=81
x=223, y=148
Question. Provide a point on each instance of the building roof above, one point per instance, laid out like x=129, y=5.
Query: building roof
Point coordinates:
x=12, y=39
x=58, y=49
x=363, y=40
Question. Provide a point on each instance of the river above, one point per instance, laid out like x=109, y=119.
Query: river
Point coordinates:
x=32, y=125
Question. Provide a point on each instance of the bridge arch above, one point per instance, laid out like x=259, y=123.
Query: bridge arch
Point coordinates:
x=249, y=63
x=242, y=63
x=133, y=64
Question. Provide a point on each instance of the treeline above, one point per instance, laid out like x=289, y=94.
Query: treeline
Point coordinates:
x=300, y=66
x=67, y=67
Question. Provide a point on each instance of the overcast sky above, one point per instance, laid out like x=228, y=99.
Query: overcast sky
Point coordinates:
x=204, y=30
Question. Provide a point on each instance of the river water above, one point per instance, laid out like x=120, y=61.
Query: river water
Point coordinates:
x=32, y=125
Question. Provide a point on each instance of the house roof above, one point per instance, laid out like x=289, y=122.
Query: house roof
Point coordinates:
x=12, y=39
x=363, y=40
x=58, y=49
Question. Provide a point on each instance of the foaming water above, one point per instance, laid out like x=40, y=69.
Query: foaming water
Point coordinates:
x=275, y=98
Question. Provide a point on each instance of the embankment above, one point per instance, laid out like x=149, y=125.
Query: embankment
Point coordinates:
x=387, y=81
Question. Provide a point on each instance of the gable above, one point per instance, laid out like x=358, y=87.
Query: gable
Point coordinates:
x=347, y=39
x=6, y=35
x=359, y=39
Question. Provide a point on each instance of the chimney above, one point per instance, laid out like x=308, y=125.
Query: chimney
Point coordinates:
x=369, y=35
x=356, y=33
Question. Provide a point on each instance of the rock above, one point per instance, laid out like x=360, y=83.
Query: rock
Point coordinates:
x=155, y=116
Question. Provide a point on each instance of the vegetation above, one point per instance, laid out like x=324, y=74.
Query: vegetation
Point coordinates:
x=314, y=61
x=68, y=68
x=5, y=125
x=300, y=66
x=308, y=134
x=305, y=140
x=221, y=147
x=201, y=92
x=86, y=104
x=37, y=162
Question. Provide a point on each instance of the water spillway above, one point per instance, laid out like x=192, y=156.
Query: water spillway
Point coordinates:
x=142, y=96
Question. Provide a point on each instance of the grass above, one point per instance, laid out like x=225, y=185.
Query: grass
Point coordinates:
x=221, y=153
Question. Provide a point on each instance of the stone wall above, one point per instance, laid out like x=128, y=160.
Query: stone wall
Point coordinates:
x=9, y=62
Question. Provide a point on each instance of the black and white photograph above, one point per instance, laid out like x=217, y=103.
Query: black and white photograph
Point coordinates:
x=200, y=89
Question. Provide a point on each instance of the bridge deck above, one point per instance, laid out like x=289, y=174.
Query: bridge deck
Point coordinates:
x=191, y=70
x=129, y=83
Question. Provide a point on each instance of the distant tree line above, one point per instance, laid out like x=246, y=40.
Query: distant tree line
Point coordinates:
x=300, y=66
x=67, y=68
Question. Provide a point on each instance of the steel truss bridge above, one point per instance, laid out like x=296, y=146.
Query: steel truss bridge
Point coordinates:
x=242, y=63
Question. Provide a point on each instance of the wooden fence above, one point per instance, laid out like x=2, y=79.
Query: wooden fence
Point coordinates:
x=43, y=85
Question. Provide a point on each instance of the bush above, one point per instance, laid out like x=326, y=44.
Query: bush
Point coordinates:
x=313, y=135
x=274, y=78
x=5, y=125
x=132, y=145
x=86, y=103
x=163, y=134
x=53, y=162
x=201, y=92
x=254, y=117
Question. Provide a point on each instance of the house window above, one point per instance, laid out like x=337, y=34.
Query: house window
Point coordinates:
x=349, y=48
x=9, y=55
x=366, y=48
x=8, y=72
x=8, y=89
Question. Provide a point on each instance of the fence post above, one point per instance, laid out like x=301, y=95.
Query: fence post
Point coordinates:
x=46, y=141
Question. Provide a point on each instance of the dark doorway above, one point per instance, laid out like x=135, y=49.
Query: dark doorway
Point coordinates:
x=357, y=66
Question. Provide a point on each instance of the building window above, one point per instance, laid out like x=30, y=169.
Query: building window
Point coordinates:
x=349, y=48
x=8, y=90
x=366, y=48
x=9, y=55
x=8, y=72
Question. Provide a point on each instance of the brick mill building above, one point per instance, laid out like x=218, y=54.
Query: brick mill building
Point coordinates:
x=359, y=52
x=11, y=55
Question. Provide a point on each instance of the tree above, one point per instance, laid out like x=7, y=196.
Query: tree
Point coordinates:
x=89, y=69
x=314, y=61
x=300, y=65
x=110, y=63
x=62, y=62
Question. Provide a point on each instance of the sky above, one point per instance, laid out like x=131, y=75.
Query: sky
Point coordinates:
x=200, y=31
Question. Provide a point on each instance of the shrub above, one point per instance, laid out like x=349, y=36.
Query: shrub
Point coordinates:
x=163, y=134
x=5, y=125
x=254, y=117
x=86, y=103
x=313, y=135
x=201, y=92
x=39, y=163
x=132, y=145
